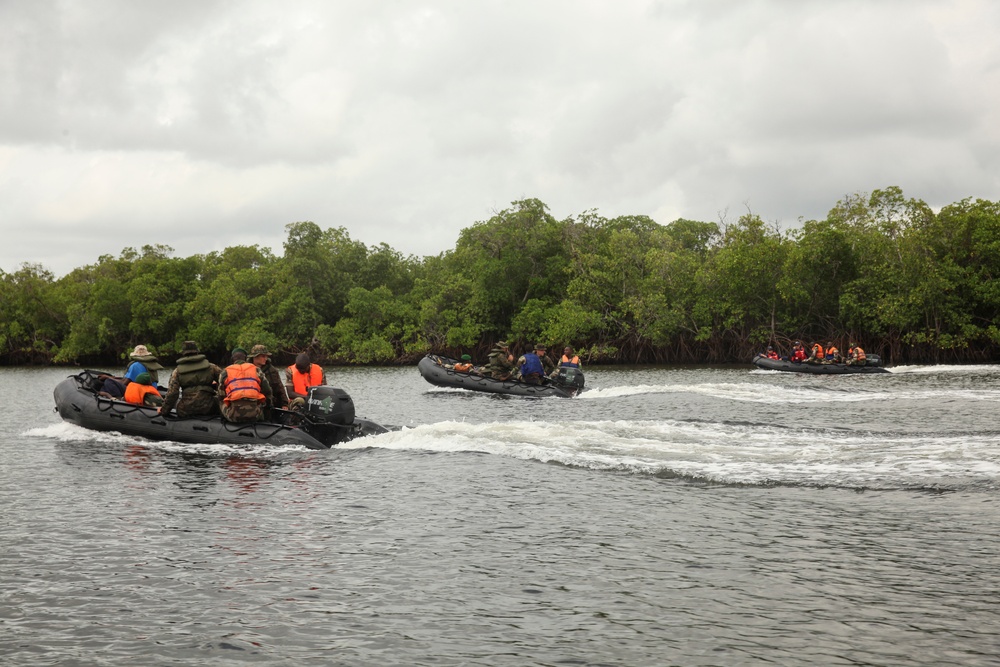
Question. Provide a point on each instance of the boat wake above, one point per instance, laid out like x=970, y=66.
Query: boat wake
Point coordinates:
x=745, y=454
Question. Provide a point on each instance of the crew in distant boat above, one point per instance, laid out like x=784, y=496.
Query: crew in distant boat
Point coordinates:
x=856, y=356
x=771, y=354
x=534, y=366
x=465, y=365
x=798, y=353
x=501, y=362
x=817, y=355
x=833, y=354
x=569, y=359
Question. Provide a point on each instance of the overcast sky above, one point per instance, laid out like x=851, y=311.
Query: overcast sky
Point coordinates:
x=203, y=124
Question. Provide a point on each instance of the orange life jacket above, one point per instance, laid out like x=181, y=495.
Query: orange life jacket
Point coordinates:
x=302, y=381
x=242, y=382
x=772, y=355
x=136, y=393
x=463, y=367
x=832, y=352
x=817, y=350
x=572, y=363
x=859, y=354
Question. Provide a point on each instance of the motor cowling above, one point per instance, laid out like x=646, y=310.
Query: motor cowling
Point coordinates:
x=569, y=377
x=329, y=405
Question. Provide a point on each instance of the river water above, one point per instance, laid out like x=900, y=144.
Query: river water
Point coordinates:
x=688, y=516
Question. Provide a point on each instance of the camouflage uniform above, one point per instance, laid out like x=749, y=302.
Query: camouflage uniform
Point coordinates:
x=244, y=409
x=499, y=366
x=193, y=382
x=273, y=377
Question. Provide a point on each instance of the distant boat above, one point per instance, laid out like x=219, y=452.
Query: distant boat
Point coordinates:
x=441, y=371
x=872, y=365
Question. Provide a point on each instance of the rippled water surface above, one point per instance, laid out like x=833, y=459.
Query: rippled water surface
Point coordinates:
x=690, y=516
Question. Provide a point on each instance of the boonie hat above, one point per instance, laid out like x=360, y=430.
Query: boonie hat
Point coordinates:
x=259, y=350
x=140, y=351
x=539, y=346
x=189, y=347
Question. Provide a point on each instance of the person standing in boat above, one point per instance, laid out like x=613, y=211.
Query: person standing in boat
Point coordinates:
x=299, y=377
x=501, y=362
x=192, y=384
x=262, y=359
x=243, y=389
x=534, y=366
x=143, y=362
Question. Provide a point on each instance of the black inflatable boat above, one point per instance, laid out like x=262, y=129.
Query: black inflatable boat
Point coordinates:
x=440, y=371
x=327, y=420
x=873, y=365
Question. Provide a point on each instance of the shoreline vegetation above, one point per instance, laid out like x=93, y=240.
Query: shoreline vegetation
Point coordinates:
x=909, y=284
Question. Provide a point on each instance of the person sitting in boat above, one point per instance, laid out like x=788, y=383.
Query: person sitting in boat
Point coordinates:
x=299, y=377
x=261, y=358
x=143, y=362
x=856, y=356
x=141, y=391
x=243, y=389
x=465, y=365
x=535, y=365
x=569, y=359
x=832, y=353
x=817, y=356
x=110, y=386
x=798, y=353
x=501, y=362
x=771, y=354
x=192, y=384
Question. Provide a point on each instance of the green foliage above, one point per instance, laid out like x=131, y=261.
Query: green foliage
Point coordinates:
x=882, y=268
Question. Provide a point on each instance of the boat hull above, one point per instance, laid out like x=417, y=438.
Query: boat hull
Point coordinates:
x=433, y=370
x=78, y=403
x=760, y=361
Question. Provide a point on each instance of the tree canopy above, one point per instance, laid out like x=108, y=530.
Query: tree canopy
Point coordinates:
x=880, y=269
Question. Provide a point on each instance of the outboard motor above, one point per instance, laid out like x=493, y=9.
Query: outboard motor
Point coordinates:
x=329, y=405
x=873, y=360
x=569, y=377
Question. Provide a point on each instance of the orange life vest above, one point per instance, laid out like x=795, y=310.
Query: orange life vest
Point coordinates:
x=136, y=393
x=242, y=382
x=859, y=354
x=572, y=363
x=463, y=367
x=832, y=352
x=302, y=381
x=817, y=350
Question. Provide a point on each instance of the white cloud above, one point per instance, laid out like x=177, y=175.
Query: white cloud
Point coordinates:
x=206, y=124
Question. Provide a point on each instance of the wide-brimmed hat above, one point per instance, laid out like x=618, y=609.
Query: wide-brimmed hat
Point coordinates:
x=189, y=347
x=144, y=378
x=502, y=343
x=539, y=346
x=258, y=350
x=140, y=351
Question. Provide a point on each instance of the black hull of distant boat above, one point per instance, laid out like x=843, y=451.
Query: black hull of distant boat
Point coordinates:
x=435, y=370
x=761, y=361
x=77, y=402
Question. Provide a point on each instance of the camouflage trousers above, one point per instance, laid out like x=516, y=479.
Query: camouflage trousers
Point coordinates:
x=197, y=403
x=243, y=410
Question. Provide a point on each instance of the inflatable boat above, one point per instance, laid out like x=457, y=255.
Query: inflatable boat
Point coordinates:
x=327, y=420
x=873, y=365
x=440, y=371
